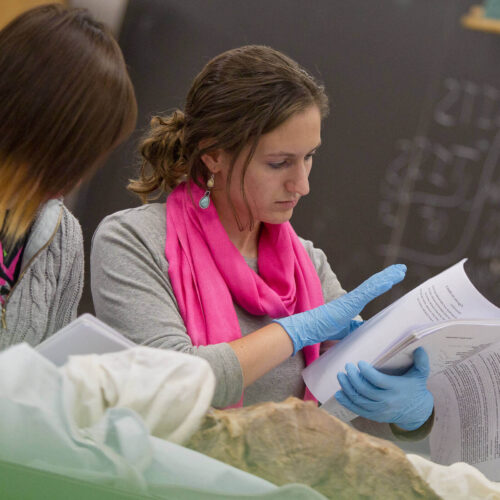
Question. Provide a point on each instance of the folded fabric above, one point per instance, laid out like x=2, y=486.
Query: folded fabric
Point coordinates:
x=459, y=481
x=92, y=420
x=170, y=391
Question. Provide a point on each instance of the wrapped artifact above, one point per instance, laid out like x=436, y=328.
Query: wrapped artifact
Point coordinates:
x=296, y=442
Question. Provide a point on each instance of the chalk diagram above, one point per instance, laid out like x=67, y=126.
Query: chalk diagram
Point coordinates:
x=440, y=196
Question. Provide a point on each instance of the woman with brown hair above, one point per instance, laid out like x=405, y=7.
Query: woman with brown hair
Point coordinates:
x=67, y=101
x=218, y=271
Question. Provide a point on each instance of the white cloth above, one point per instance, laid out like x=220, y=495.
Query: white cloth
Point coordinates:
x=459, y=481
x=170, y=391
x=93, y=419
x=41, y=408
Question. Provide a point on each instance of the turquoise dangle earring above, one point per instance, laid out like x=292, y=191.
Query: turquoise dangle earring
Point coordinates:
x=205, y=199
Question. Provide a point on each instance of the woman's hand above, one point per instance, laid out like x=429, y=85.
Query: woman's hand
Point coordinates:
x=403, y=400
x=333, y=321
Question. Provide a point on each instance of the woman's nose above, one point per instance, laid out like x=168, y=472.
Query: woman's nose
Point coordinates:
x=299, y=181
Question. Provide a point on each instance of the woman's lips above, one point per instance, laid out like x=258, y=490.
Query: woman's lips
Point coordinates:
x=287, y=204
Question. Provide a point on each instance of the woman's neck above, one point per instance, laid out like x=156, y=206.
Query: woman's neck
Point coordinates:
x=246, y=241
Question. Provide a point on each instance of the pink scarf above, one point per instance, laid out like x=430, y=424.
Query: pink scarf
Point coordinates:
x=208, y=272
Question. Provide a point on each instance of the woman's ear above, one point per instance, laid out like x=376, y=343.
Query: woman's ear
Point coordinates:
x=213, y=160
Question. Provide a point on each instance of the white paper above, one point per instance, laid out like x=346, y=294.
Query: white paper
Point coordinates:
x=448, y=296
x=446, y=344
x=467, y=413
x=84, y=335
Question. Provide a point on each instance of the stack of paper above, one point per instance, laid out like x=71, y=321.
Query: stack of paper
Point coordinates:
x=85, y=335
x=446, y=315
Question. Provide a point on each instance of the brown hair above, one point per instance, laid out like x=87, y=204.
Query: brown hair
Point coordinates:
x=67, y=101
x=237, y=97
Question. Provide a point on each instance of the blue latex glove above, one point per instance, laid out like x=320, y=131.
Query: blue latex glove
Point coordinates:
x=334, y=320
x=399, y=399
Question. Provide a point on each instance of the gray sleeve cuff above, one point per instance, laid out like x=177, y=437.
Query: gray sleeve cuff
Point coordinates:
x=376, y=429
x=392, y=432
x=223, y=361
x=416, y=435
x=228, y=374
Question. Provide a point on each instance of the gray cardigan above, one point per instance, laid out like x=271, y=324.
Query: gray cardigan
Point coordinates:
x=132, y=293
x=46, y=295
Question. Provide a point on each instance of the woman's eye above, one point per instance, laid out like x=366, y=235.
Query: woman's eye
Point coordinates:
x=283, y=163
x=287, y=162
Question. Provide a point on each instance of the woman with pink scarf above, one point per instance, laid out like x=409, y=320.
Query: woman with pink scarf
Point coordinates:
x=218, y=271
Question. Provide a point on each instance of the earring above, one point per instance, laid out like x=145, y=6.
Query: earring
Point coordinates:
x=205, y=199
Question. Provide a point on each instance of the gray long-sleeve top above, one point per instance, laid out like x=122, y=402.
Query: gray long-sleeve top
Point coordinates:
x=46, y=295
x=132, y=293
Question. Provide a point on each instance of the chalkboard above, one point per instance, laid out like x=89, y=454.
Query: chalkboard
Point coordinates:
x=409, y=167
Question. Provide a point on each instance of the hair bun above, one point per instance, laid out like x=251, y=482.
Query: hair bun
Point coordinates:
x=178, y=119
x=169, y=124
x=163, y=165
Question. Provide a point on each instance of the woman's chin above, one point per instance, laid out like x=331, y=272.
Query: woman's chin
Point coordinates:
x=279, y=217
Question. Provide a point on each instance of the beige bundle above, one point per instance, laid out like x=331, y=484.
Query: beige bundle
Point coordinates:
x=295, y=442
